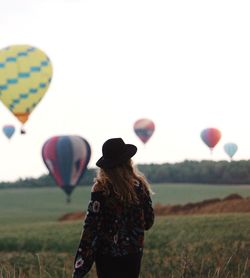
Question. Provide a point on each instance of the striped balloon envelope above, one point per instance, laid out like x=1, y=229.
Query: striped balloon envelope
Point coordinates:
x=144, y=129
x=8, y=130
x=25, y=75
x=211, y=137
x=66, y=158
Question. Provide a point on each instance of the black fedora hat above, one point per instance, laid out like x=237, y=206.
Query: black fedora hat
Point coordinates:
x=115, y=152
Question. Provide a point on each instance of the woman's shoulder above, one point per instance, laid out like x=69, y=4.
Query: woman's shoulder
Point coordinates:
x=97, y=187
x=98, y=191
x=139, y=183
x=142, y=188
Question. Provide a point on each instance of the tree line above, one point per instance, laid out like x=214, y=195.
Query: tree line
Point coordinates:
x=188, y=171
x=205, y=171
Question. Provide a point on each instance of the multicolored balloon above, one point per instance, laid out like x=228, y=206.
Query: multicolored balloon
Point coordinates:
x=230, y=149
x=66, y=158
x=144, y=129
x=211, y=137
x=8, y=130
x=25, y=76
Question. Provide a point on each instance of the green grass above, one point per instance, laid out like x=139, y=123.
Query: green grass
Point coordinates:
x=185, y=193
x=48, y=204
x=40, y=204
x=33, y=244
x=193, y=246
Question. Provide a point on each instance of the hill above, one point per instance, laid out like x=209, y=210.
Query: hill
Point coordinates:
x=233, y=203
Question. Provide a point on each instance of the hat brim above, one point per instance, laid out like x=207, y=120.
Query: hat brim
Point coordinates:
x=129, y=152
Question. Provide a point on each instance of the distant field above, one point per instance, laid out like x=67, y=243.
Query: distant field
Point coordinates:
x=48, y=204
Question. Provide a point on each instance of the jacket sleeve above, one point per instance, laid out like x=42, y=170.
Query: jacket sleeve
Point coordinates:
x=85, y=254
x=148, y=211
x=146, y=202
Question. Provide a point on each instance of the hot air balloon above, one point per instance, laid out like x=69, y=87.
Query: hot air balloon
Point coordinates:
x=66, y=158
x=25, y=75
x=211, y=136
x=230, y=149
x=8, y=130
x=144, y=129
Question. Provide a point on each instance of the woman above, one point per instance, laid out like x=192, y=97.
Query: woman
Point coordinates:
x=118, y=213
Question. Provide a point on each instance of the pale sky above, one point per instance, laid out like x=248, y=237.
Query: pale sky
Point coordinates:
x=183, y=64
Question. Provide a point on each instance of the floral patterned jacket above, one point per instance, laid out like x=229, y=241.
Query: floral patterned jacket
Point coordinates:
x=112, y=228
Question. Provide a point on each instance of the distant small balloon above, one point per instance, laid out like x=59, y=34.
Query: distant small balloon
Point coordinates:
x=66, y=158
x=144, y=129
x=8, y=130
x=211, y=137
x=230, y=149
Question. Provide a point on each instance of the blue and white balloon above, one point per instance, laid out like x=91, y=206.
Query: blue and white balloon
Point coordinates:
x=230, y=149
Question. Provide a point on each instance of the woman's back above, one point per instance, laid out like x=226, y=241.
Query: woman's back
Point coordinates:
x=123, y=224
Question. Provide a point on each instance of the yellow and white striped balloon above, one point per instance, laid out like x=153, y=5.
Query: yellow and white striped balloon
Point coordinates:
x=25, y=75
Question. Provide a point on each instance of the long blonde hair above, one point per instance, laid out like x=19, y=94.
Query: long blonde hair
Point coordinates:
x=121, y=180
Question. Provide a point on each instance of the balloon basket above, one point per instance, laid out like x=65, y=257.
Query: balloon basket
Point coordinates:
x=22, y=131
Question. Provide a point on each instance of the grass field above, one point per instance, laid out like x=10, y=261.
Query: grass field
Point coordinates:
x=193, y=246
x=33, y=244
x=48, y=204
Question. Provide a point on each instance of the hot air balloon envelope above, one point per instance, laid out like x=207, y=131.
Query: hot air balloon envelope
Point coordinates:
x=67, y=158
x=144, y=129
x=211, y=136
x=25, y=75
x=8, y=130
x=230, y=149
